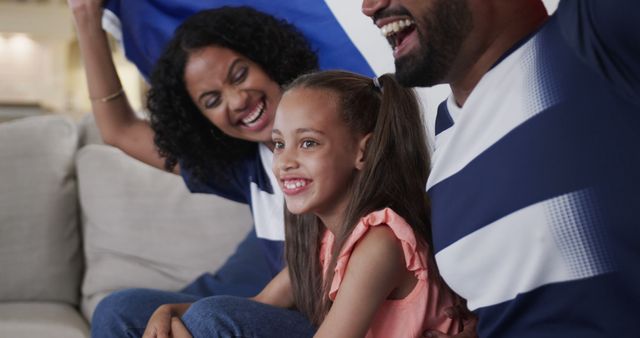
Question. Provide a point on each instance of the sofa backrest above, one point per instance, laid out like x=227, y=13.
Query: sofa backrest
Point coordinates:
x=40, y=253
x=79, y=219
x=143, y=228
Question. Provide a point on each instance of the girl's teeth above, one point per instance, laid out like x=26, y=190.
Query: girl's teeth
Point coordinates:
x=293, y=185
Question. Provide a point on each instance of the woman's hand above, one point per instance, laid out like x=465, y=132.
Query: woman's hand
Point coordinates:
x=74, y=4
x=163, y=322
x=178, y=330
x=86, y=12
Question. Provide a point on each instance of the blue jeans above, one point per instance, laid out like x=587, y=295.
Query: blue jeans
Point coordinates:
x=125, y=313
x=228, y=316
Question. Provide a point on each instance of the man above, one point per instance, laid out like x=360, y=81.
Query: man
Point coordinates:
x=536, y=160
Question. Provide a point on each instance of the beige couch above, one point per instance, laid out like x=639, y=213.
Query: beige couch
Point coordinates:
x=79, y=219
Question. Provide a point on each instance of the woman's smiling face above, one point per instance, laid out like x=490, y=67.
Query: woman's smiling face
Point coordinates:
x=315, y=152
x=232, y=92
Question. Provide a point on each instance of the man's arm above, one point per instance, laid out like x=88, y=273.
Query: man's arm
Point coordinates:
x=606, y=35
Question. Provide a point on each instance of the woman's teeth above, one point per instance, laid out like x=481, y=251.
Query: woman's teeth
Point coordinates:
x=254, y=115
x=294, y=184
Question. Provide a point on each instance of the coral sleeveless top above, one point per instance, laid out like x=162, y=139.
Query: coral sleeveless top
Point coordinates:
x=423, y=308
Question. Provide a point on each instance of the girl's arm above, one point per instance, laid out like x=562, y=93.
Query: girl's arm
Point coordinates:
x=116, y=120
x=375, y=269
x=278, y=292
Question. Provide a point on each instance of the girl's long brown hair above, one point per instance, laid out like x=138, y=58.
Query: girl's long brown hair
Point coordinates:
x=394, y=175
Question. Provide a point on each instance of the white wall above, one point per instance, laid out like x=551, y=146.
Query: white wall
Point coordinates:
x=40, y=62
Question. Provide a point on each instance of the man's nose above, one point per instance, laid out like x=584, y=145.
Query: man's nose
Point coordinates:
x=370, y=7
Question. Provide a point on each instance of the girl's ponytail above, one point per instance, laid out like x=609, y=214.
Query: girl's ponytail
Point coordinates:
x=394, y=175
x=397, y=145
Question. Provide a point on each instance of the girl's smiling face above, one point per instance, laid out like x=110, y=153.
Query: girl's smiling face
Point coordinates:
x=315, y=154
x=232, y=92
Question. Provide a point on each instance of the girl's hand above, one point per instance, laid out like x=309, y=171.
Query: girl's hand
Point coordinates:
x=161, y=323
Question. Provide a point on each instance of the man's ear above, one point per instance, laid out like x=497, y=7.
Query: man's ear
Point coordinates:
x=362, y=146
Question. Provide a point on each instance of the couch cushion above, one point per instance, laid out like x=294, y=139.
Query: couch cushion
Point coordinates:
x=40, y=256
x=88, y=132
x=51, y=320
x=143, y=228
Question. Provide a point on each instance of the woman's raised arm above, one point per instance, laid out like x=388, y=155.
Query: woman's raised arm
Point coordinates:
x=118, y=124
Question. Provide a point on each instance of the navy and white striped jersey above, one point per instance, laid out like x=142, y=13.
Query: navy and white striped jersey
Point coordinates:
x=535, y=181
x=252, y=181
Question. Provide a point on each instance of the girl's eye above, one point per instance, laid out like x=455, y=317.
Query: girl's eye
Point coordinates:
x=306, y=144
x=278, y=145
x=240, y=75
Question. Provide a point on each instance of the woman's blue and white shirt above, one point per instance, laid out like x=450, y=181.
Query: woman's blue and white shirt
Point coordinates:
x=252, y=182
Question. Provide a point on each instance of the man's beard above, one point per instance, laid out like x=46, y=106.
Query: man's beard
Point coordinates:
x=447, y=26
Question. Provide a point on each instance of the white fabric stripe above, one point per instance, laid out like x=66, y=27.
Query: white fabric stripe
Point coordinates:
x=376, y=50
x=487, y=115
x=111, y=24
x=267, y=209
x=364, y=34
x=552, y=241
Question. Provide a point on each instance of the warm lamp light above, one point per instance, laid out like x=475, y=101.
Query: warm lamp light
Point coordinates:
x=20, y=45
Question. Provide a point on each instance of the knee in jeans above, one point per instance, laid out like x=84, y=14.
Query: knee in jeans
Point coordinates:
x=112, y=309
x=220, y=312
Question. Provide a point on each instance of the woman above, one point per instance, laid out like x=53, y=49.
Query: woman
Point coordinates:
x=213, y=98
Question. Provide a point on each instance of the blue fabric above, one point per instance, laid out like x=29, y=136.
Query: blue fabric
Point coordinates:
x=443, y=118
x=584, y=136
x=125, y=313
x=606, y=36
x=244, y=274
x=227, y=316
x=148, y=25
x=537, y=313
x=237, y=186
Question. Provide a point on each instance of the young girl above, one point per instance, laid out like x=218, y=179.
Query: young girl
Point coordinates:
x=351, y=159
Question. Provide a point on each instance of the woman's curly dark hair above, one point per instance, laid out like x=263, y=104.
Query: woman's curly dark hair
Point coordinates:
x=182, y=133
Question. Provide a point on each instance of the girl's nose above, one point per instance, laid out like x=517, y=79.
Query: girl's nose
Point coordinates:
x=285, y=160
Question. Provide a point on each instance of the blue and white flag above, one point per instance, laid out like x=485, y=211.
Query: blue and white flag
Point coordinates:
x=343, y=36
x=337, y=29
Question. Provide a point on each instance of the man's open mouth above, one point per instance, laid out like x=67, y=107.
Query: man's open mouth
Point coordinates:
x=396, y=31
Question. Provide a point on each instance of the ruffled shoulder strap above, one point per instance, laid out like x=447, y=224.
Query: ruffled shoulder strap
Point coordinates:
x=414, y=253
